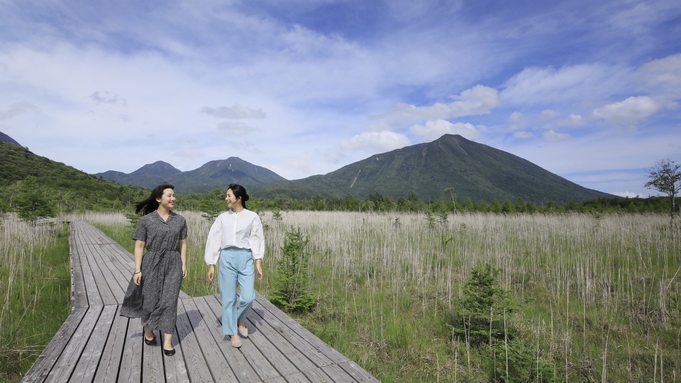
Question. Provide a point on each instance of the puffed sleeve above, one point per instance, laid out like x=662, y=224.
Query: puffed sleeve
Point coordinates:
x=257, y=239
x=214, y=242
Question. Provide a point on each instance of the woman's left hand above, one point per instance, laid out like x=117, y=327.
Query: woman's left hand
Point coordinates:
x=184, y=271
x=258, y=269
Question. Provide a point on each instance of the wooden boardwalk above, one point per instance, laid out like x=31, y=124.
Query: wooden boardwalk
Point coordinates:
x=95, y=344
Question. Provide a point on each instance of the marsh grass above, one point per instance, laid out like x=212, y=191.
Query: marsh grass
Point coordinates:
x=597, y=296
x=35, y=284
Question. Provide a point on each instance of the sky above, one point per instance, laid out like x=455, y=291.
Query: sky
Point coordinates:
x=588, y=90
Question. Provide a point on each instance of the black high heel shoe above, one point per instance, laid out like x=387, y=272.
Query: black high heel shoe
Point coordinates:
x=148, y=342
x=169, y=352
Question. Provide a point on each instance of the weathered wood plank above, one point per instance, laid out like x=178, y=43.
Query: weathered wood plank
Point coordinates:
x=152, y=359
x=293, y=328
x=78, y=294
x=260, y=338
x=89, y=359
x=92, y=238
x=337, y=374
x=220, y=356
x=290, y=336
x=110, y=361
x=259, y=362
x=94, y=299
x=47, y=359
x=111, y=276
x=175, y=368
x=195, y=364
x=73, y=350
x=100, y=285
x=131, y=360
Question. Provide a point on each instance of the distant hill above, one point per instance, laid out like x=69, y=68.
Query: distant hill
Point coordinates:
x=436, y=170
x=7, y=139
x=70, y=189
x=212, y=175
x=151, y=174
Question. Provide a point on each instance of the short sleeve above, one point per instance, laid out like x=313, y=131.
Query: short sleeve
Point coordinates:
x=183, y=231
x=140, y=233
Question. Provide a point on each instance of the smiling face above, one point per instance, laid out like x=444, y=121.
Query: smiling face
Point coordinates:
x=232, y=200
x=167, y=200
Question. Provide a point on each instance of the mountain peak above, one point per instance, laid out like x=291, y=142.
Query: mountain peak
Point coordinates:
x=450, y=165
x=7, y=139
x=158, y=167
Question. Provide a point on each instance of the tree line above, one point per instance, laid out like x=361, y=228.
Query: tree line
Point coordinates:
x=48, y=190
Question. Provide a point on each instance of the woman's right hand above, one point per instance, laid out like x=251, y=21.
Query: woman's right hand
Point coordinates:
x=211, y=273
x=137, y=278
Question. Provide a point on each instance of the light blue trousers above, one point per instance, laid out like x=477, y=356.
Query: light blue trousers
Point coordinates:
x=236, y=267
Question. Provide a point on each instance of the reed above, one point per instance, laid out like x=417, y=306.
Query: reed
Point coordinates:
x=597, y=295
x=34, y=289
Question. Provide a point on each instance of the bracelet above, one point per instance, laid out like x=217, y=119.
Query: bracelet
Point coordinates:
x=137, y=272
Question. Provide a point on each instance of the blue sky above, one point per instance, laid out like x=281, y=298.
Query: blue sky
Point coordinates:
x=588, y=90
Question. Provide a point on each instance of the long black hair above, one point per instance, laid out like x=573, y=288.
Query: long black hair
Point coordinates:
x=150, y=204
x=239, y=192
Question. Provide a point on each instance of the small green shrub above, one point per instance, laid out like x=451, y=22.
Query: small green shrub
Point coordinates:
x=479, y=316
x=291, y=280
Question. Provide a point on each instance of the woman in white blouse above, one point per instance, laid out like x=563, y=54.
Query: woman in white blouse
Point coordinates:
x=236, y=241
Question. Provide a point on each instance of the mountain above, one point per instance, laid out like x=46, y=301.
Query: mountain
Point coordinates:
x=151, y=174
x=66, y=187
x=7, y=139
x=212, y=175
x=436, y=170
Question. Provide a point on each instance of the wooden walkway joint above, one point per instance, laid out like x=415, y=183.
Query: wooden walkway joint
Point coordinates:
x=95, y=344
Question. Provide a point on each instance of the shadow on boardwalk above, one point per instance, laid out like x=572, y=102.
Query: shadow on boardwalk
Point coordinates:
x=95, y=344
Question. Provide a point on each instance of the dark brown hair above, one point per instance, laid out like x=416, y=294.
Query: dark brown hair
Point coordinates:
x=150, y=204
x=239, y=192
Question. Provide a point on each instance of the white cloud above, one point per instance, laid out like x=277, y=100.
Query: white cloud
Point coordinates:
x=663, y=76
x=552, y=135
x=474, y=101
x=375, y=142
x=523, y=134
x=103, y=97
x=574, y=120
x=435, y=129
x=548, y=114
x=235, y=112
x=568, y=84
x=629, y=111
x=518, y=121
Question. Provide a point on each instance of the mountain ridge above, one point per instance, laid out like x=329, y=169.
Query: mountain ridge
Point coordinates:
x=449, y=166
x=210, y=176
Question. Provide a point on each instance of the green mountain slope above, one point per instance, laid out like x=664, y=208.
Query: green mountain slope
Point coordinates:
x=436, y=170
x=68, y=188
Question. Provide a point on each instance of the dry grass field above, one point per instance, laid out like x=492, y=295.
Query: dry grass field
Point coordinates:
x=34, y=289
x=594, y=298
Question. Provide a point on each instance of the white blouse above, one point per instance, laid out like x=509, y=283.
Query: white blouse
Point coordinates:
x=230, y=229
